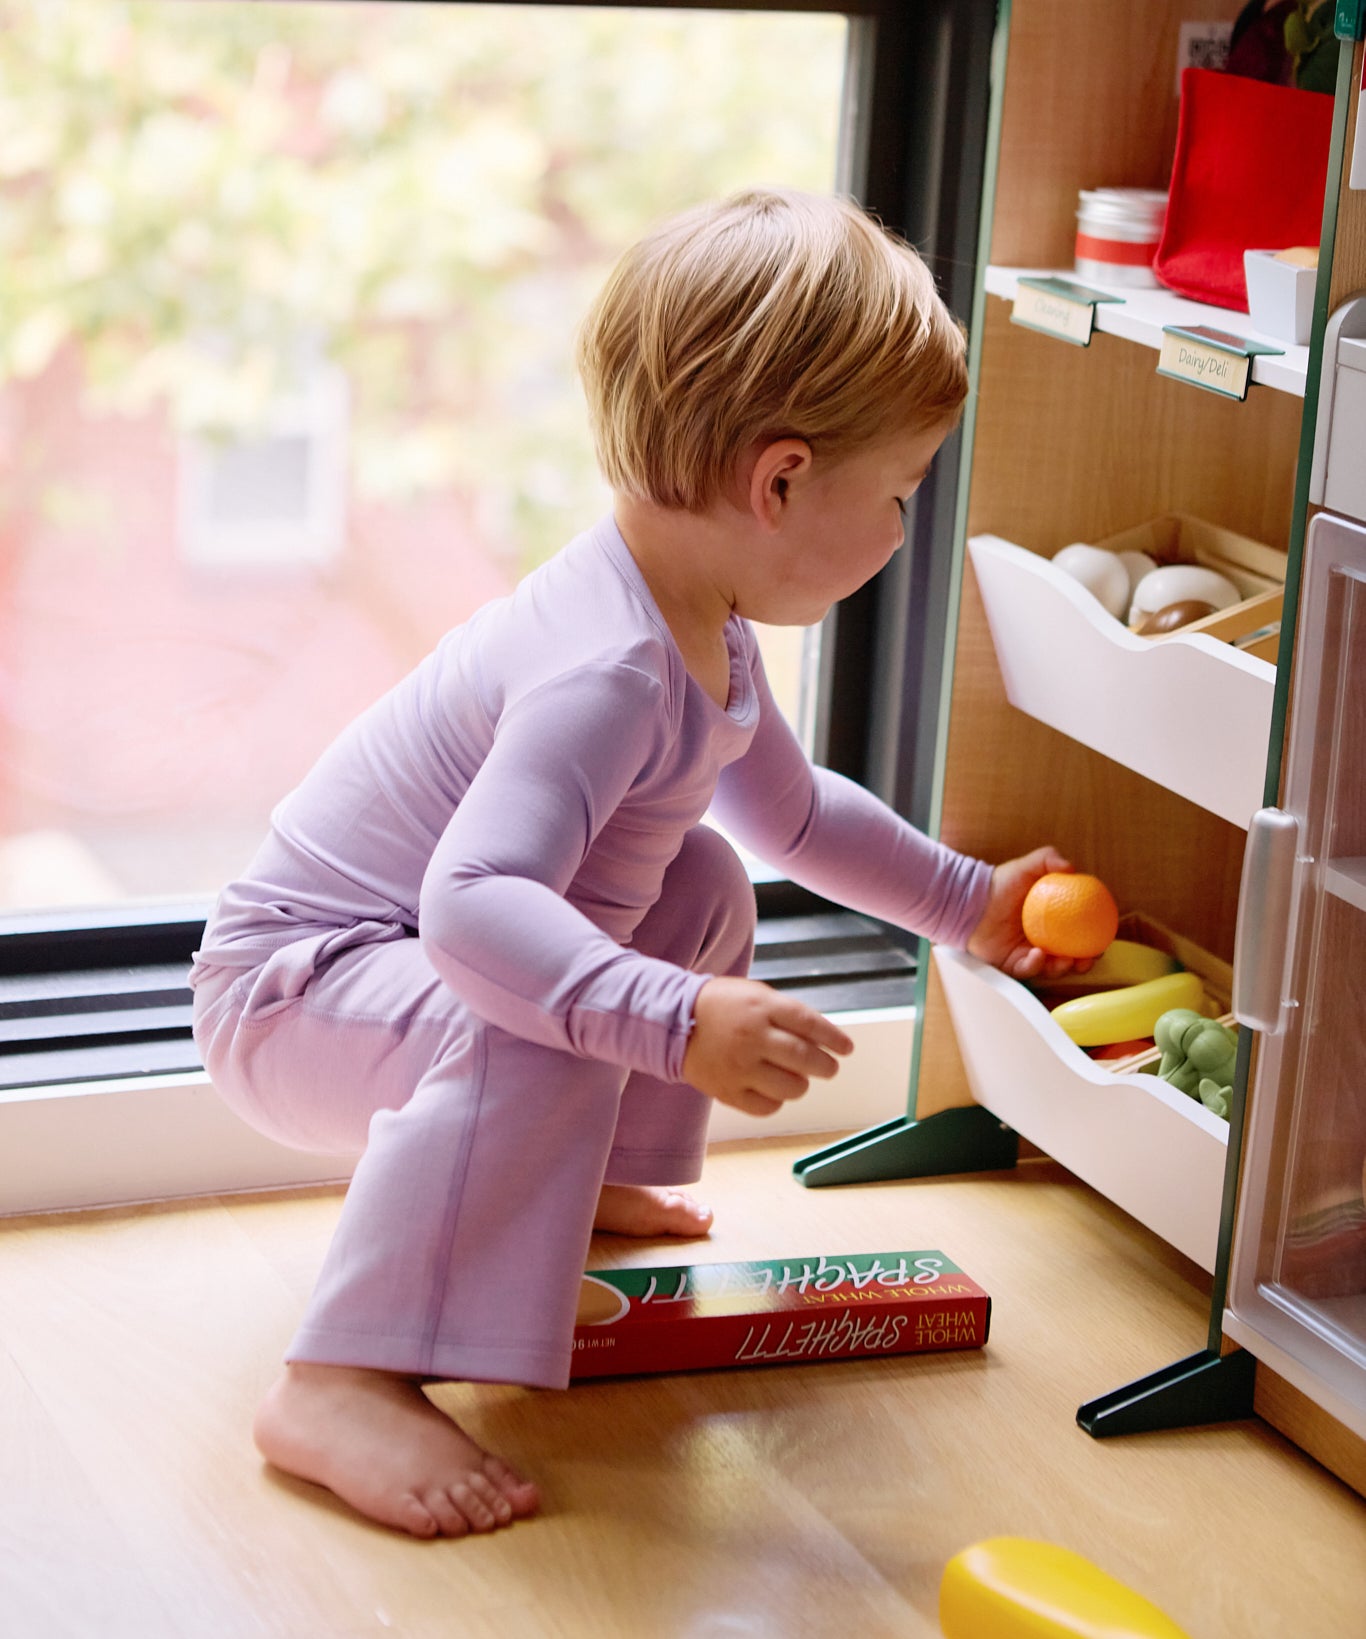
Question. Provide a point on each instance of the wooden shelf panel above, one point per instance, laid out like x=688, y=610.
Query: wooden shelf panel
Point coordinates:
x=1140, y=316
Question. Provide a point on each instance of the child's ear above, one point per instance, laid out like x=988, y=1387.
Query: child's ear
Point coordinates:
x=777, y=466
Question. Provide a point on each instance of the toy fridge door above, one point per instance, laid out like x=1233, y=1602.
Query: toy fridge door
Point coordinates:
x=1297, y=1296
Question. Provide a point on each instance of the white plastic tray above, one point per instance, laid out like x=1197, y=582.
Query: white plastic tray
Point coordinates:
x=1190, y=712
x=1151, y=1150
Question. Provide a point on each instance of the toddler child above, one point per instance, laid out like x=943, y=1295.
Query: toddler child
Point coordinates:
x=488, y=943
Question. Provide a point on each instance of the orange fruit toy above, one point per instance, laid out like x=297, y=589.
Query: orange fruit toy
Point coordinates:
x=1068, y=914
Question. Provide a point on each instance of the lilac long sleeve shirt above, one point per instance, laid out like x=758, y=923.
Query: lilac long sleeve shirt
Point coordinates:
x=519, y=795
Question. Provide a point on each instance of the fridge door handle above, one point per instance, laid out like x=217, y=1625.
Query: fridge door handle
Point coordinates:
x=1261, y=954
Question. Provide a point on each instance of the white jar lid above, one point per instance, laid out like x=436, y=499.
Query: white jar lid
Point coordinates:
x=1122, y=207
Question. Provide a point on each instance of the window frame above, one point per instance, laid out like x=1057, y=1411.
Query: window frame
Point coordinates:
x=913, y=150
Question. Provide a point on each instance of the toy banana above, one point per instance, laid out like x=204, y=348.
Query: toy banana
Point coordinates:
x=1123, y=962
x=1017, y=1588
x=1122, y=1015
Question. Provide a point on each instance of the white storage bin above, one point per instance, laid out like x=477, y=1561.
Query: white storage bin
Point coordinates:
x=1188, y=710
x=1140, y=1142
x=1280, y=296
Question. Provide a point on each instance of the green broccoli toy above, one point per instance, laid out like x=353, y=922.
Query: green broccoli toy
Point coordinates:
x=1198, y=1056
x=1214, y=1097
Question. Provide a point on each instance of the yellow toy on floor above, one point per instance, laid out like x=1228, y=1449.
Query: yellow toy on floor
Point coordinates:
x=1012, y=1588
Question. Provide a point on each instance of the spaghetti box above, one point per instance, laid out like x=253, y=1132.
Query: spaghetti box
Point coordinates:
x=787, y=1311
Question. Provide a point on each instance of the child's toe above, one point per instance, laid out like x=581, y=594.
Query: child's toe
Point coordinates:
x=415, y=1517
x=521, y=1495
x=467, y=1497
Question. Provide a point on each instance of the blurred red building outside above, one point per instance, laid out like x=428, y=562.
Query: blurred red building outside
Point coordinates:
x=153, y=709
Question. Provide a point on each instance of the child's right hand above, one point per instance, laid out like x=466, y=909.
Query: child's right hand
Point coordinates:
x=754, y=1048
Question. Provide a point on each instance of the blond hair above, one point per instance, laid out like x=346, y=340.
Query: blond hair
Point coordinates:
x=768, y=315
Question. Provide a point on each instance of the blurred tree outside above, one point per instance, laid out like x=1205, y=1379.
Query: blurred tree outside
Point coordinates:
x=197, y=194
x=187, y=187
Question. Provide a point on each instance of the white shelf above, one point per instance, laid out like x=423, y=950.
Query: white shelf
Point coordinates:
x=1189, y=712
x=1140, y=1142
x=1346, y=879
x=1140, y=316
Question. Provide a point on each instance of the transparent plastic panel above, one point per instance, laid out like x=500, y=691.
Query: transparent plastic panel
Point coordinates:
x=1314, y=1251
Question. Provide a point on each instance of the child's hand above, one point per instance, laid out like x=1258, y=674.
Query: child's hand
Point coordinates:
x=754, y=1048
x=999, y=937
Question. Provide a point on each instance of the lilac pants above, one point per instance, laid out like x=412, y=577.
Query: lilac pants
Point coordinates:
x=465, y=1230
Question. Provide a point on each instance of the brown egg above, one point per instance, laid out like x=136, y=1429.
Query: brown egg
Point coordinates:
x=1173, y=616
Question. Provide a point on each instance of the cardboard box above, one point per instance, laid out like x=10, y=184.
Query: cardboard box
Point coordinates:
x=783, y=1312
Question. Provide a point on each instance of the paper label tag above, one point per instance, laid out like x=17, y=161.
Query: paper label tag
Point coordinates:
x=1057, y=308
x=1204, y=365
x=1187, y=357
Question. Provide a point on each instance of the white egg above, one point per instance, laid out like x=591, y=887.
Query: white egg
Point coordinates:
x=1180, y=583
x=1099, y=571
x=1137, y=565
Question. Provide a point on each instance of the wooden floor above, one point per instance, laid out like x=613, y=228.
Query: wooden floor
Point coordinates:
x=779, y=1502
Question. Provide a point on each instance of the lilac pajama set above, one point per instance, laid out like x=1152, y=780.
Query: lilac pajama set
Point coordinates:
x=469, y=948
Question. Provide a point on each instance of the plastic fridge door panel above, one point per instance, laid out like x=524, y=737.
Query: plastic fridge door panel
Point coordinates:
x=1298, y=1280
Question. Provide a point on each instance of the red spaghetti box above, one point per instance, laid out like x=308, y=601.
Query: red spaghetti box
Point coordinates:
x=759, y=1314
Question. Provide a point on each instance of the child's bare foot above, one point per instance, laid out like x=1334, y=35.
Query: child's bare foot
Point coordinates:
x=377, y=1441
x=650, y=1209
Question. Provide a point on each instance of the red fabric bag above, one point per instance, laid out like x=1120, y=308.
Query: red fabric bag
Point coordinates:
x=1249, y=174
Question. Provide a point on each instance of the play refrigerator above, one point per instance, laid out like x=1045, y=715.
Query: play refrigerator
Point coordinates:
x=1298, y=1282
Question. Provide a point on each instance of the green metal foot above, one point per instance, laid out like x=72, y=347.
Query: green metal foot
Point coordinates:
x=1203, y=1388
x=961, y=1140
